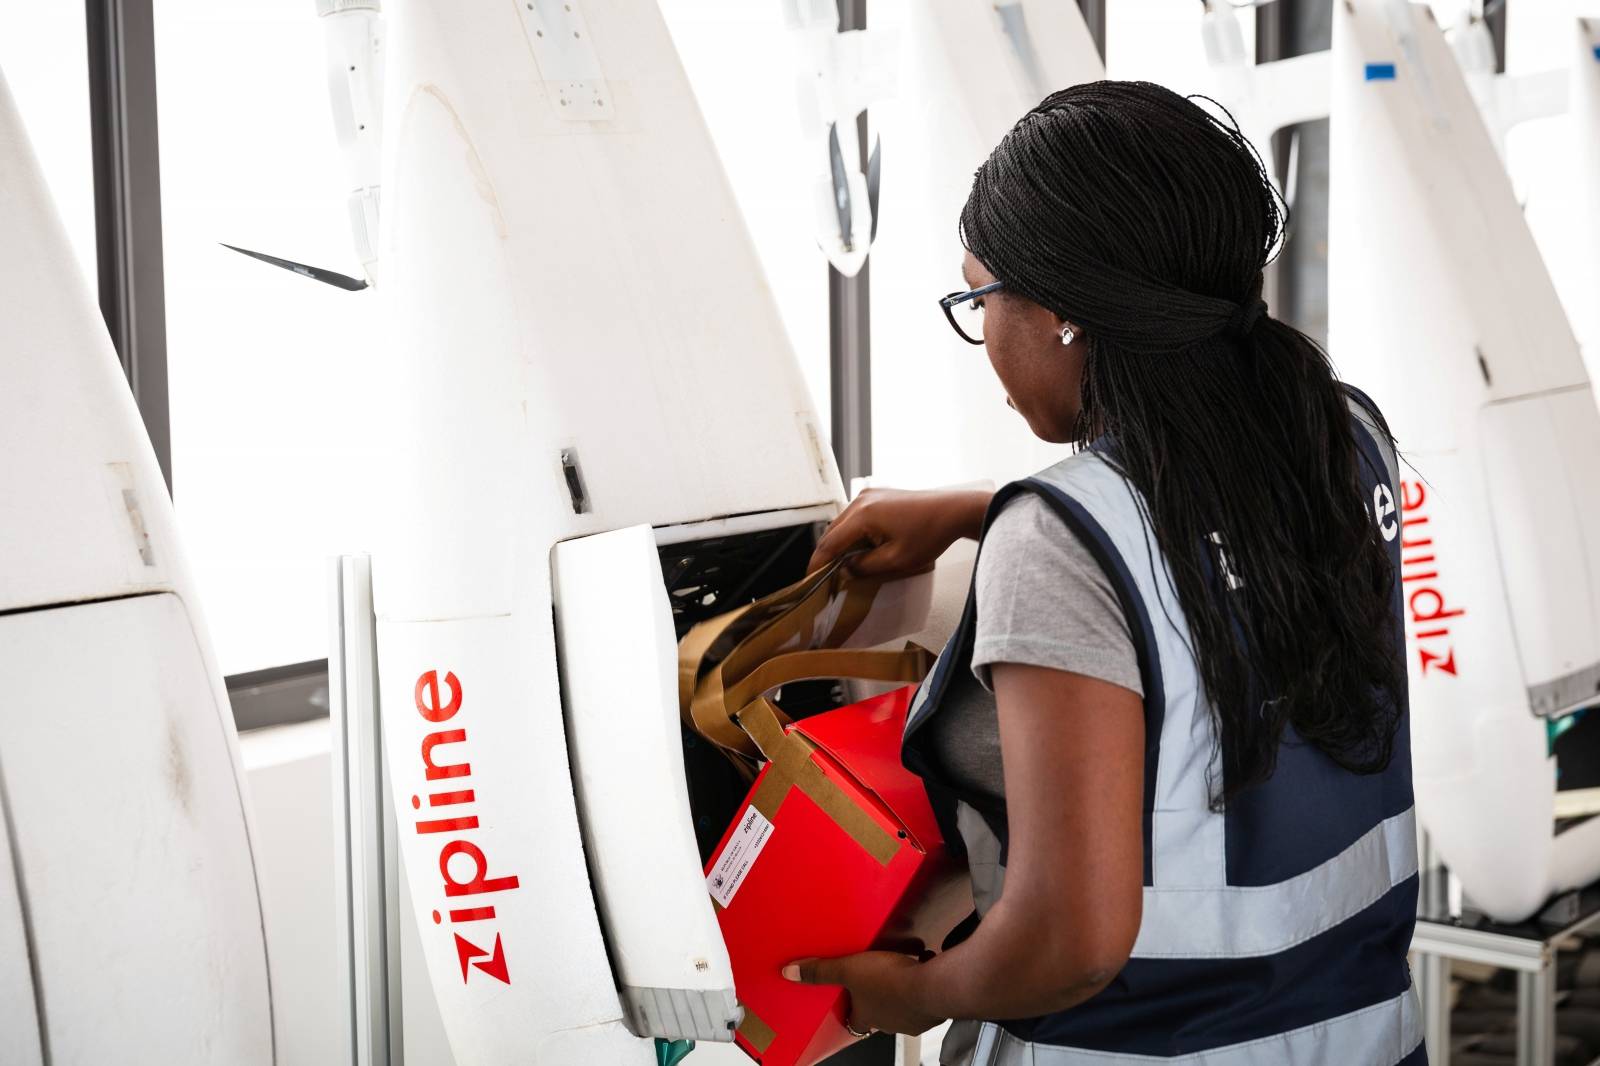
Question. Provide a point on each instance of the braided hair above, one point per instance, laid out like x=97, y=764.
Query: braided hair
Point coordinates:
x=1146, y=222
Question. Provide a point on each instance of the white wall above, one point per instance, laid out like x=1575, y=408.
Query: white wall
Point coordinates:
x=1159, y=41
x=288, y=773
x=45, y=59
x=291, y=796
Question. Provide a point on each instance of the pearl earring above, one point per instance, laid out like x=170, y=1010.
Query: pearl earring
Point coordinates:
x=1067, y=335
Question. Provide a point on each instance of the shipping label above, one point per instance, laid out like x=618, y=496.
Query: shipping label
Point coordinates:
x=740, y=853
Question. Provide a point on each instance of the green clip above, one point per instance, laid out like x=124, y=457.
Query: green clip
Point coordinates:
x=672, y=1052
x=1554, y=727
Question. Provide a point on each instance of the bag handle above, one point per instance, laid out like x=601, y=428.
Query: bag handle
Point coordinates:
x=715, y=707
x=711, y=699
x=728, y=633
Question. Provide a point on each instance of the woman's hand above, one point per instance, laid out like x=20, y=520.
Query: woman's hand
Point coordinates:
x=905, y=531
x=880, y=985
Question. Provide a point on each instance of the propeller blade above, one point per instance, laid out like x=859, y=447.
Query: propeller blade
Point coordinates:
x=327, y=277
x=841, y=188
x=874, y=179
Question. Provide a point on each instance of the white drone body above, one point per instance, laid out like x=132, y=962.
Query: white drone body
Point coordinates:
x=969, y=72
x=839, y=73
x=353, y=39
x=1504, y=100
x=588, y=368
x=591, y=393
x=1441, y=308
x=590, y=386
x=130, y=920
x=1262, y=97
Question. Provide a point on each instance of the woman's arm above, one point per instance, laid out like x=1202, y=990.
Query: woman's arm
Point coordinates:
x=904, y=531
x=1073, y=754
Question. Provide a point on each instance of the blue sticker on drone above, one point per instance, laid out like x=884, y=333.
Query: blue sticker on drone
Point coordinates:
x=1380, y=72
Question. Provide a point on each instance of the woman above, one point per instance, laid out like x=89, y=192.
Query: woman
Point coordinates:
x=1172, y=725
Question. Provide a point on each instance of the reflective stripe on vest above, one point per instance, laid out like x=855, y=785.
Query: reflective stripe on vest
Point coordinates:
x=1384, y=1034
x=1273, y=932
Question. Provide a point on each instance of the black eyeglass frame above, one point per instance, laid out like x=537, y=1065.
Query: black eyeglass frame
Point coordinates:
x=955, y=299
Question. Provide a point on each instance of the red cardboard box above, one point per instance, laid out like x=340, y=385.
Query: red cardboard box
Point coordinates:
x=835, y=851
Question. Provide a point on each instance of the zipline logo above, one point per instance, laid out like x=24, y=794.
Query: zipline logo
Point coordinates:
x=455, y=796
x=1429, y=615
x=1383, y=512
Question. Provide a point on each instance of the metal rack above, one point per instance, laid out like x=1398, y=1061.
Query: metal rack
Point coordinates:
x=1528, y=949
x=365, y=844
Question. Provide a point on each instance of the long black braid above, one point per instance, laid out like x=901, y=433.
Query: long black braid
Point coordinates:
x=1146, y=222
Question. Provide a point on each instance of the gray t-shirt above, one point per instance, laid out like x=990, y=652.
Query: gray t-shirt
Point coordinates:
x=1043, y=600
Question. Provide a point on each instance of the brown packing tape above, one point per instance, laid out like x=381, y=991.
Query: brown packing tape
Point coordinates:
x=770, y=793
x=711, y=696
x=707, y=638
x=692, y=650
x=708, y=719
x=790, y=756
x=758, y=1032
x=764, y=723
x=909, y=666
x=713, y=705
x=822, y=790
x=767, y=798
x=778, y=619
x=796, y=618
x=859, y=594
x=805, y=598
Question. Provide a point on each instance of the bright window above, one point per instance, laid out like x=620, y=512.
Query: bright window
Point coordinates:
x=44, y=57
x=270, y=374
x=737, y=56
x=1542, y=157
x=1159, y=41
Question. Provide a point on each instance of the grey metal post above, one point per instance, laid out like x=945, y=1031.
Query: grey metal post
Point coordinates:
x=1297, y=283
x=1496, y=18
x=1536, y=1014
x=850, y=331
x=1433, y=970
x=850, y=383
x=1432, y=979
x=366, y=848
x=1094, y=16
x=127, y=204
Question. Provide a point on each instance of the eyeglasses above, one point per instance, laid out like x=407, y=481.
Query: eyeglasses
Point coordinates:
x=965, y=311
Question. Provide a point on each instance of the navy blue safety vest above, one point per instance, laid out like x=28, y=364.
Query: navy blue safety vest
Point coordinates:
x=1274, y=932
